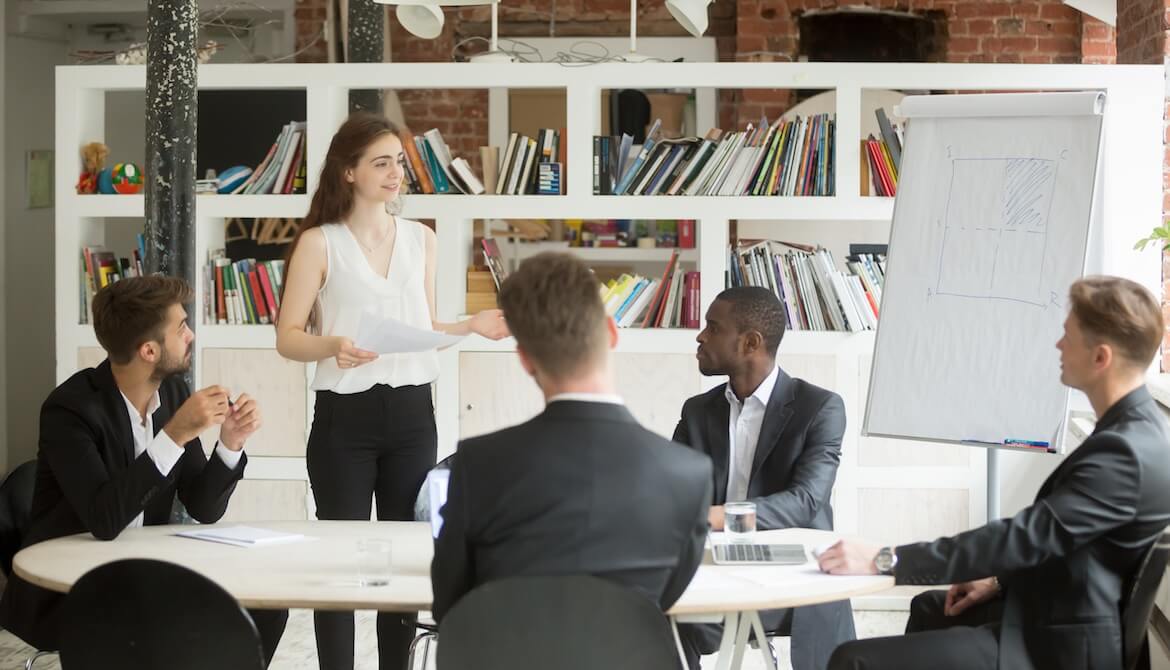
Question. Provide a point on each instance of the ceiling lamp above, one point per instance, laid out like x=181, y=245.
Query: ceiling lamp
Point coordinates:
x=424, y=18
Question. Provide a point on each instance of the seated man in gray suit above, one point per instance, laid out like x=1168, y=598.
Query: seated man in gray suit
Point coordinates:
x=581, y=489
x=787, y=446
x=1044, y=588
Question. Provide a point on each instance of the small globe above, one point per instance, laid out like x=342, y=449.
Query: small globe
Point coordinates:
x=127, y=178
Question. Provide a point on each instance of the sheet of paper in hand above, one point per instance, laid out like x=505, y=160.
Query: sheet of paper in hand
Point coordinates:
x=383, y=335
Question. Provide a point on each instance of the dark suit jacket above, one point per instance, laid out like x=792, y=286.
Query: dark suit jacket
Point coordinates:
x=791, y=480
x=1065, y=562
x=89, y=481
x=579, y=489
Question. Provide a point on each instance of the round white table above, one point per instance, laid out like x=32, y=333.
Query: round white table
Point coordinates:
x=320, y=572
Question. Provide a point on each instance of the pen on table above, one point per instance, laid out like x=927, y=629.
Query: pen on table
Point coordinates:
x=1026, y=443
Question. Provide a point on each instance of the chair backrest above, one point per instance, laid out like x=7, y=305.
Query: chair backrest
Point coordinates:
x=147, y=614
x=568, y=623
x=422, y=501
x=16, y=493
x=1139, y=603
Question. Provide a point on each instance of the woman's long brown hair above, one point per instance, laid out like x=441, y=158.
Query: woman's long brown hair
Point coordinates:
x=333, y=199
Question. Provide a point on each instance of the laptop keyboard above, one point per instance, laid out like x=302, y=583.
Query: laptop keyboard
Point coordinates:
x=789, y=554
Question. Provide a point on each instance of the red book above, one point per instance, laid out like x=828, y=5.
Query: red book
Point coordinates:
x=686, y=233
x=659, y=299
x=691, y=281
x=879, y=164
x=220, y=307
x=254, y=284
x=266, y=284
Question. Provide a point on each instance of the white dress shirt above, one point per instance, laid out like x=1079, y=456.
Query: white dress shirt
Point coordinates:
x=161, y=448
x=610, y=398
x=743, y=429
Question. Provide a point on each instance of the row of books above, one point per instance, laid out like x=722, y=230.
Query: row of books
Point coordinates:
x=241, y=292
x=432, y=168
x=100, y=268
x=283, y=169
x=816, y=295
x=635, y=301
x=529, y=165
x=786, y=157
x=881, y=158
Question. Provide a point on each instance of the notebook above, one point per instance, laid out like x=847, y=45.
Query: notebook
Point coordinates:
x=242, y=536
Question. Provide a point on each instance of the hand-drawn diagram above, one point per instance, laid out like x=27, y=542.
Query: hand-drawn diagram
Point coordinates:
x=995, y=229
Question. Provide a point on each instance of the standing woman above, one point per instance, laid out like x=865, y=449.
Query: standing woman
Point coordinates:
x=373, y=429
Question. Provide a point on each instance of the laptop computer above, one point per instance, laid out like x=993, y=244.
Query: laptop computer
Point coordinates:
x=759, y=554
x=437, y=496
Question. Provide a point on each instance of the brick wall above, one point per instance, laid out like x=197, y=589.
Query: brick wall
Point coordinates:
x=1141, y=38
x=1036, y=31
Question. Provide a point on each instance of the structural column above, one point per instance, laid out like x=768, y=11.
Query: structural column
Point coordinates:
x=171, y=30
x=171, y=106
x=365, y=33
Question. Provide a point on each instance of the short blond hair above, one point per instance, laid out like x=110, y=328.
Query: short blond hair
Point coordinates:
x=1120, y=312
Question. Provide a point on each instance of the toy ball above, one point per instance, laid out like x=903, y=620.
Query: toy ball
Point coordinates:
x=231, y=178
x=126, y=178
x=105, y=181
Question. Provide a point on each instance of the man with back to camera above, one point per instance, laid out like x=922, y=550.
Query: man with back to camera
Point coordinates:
x=109, y=455
x=1044, y=589
x=580, y=489
x=774, y=441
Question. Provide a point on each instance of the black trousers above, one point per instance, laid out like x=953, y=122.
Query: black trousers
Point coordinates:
x=270, y=624
x=376, y=444
x=969, y=641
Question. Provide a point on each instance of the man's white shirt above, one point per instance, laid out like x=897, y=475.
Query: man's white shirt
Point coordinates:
x=161, y=449
x=743, y=428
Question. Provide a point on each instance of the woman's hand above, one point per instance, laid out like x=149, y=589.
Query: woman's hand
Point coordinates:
x=490, y=324
x=349, y=356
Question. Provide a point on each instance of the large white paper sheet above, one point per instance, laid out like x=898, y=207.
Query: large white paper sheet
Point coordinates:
x=383, y=335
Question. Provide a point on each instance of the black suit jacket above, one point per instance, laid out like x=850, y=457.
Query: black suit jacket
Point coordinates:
x=88, y=480
x=1066, y=561
x=792, y=477
x=579, y=489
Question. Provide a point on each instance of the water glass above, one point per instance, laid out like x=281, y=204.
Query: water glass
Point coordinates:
x=739, y=521
x=374, y=562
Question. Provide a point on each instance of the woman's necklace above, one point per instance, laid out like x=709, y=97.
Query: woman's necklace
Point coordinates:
x=377, y=246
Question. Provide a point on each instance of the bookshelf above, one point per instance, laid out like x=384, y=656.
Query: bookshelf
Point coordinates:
x=656, y=368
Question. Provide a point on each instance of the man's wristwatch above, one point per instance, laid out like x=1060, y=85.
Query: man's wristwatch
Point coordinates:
x=885, y=561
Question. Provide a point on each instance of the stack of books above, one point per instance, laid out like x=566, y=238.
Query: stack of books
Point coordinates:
x=431, y=167
x=780, y=158
x=283, y=169
x=672, y=301
x=100, y=268
x=816, y=296
x=881, y=157
x=241, y=292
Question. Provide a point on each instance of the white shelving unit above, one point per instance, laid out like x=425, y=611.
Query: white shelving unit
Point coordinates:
x=1130, y=202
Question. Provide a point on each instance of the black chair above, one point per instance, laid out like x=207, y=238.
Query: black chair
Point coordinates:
x=16, y=494
x=430, y=632
x=568, y=623
x=1139, y=604
x=154, y=615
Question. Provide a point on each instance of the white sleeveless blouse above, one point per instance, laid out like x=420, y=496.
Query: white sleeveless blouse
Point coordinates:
x=351, y=287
